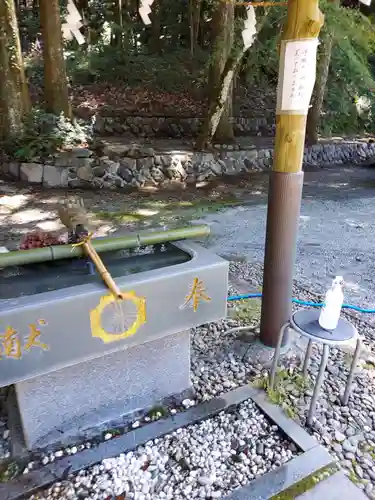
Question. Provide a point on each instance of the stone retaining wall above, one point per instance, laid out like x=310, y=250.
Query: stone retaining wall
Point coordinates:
x=133, y=165
x=174, y=126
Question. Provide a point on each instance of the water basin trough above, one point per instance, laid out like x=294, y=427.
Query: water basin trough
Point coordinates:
x=79, y=357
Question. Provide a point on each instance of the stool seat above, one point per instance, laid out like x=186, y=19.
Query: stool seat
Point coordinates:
x=306, y=323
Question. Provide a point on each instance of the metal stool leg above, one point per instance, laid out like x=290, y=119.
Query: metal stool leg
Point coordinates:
x=307, y=358
x=318, y=384
x=353, y=367
x=276, y=356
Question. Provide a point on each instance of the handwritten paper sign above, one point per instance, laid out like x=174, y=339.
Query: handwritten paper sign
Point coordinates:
x=296, y=76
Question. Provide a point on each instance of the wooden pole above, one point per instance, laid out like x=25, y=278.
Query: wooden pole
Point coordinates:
x=296, y=81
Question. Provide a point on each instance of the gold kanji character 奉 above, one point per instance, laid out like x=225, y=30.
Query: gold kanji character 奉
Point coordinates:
x=197, y=294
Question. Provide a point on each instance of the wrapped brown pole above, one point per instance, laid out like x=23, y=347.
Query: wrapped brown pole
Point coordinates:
x=296, y=81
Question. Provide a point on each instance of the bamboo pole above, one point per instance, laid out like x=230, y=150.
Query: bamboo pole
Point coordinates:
x=57, y=252
x=296, y=80
x=98, y=263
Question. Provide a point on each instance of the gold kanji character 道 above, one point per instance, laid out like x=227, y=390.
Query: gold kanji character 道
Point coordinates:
x=11, y=346
x=33, y=339
x=197, y=294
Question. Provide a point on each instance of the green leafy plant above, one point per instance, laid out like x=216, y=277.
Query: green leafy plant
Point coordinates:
x=9, y=472
x=157, y=412
x=45, y=133
x=247, y=310
x=351, y=80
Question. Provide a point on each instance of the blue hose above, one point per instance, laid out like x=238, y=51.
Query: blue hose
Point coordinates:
x=233, y=298
x=300, y=302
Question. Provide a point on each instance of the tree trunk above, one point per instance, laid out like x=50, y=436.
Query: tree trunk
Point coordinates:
x=155, y=42
x=55, y=82
x=35, y=7
x=194, y=21
x=14, y=94
x=223, y=31
x=220, y=92
x=218, y=100
x=322, y=71
x=117, y=38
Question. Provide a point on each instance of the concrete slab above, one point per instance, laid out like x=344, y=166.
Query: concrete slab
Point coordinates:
x=29, y=483
x=336, y=487
x=64, y=403
x=288, y=475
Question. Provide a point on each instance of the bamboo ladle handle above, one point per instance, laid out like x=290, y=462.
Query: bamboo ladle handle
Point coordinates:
x=104, y=274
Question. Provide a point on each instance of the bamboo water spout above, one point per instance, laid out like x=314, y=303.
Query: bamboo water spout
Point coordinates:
x=59, y=252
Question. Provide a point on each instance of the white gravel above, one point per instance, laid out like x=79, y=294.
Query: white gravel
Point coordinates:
x=346, y=431
x=341, y=243
x=204, y=460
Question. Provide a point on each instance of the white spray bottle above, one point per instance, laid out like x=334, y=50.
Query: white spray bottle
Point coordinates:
x=330, y=314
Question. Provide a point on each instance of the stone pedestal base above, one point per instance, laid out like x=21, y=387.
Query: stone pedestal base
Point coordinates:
x=61, y=405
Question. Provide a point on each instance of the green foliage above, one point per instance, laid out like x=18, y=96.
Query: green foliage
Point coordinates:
x=157, y=412
x=262, y=63
x=45, y=133
x=157, y=57
x=9, y=471
x=352, y=71
x=350, y=78
x=170, y=72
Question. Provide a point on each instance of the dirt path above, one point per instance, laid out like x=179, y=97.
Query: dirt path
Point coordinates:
x=23, y=208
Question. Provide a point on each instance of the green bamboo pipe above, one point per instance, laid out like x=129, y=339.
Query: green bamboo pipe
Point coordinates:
x=59, y=252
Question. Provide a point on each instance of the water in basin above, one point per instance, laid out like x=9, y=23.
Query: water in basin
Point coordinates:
x=33, y=279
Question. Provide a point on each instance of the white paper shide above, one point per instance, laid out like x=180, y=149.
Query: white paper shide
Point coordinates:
x=71, y=28
x=249, y=27
x=145, y=11
x=297, y=76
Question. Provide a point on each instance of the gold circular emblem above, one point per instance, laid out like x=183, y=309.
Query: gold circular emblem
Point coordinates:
x=116, y=319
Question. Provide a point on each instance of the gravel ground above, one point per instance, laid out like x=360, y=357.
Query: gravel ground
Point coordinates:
x=336, y=235
x=204, y=460
x=347, y=432
x=339, y=244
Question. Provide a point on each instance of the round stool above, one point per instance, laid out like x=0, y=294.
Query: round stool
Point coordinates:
x=306, y=323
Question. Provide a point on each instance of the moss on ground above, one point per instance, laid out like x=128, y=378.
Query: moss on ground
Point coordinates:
x=157, y=411
x=306, y=484
x=164, y=212
x=9, y=471
x=246, y=311
x=287, y=382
